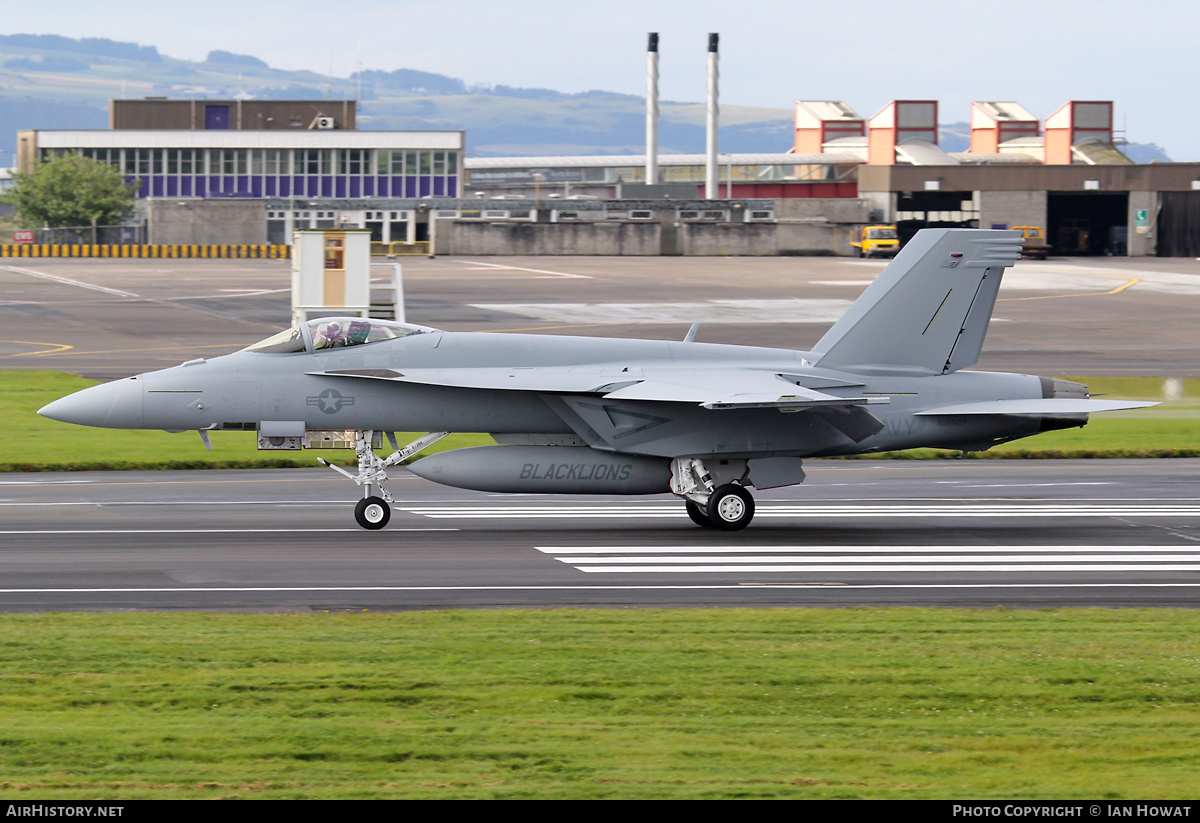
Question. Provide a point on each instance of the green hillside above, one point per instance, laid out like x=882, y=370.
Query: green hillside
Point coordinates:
x=53, y=82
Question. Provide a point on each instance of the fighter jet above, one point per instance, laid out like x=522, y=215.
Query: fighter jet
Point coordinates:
x=576, y=415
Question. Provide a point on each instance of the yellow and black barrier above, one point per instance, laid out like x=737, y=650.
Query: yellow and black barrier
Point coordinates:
x=260, y=250
x=399, y=248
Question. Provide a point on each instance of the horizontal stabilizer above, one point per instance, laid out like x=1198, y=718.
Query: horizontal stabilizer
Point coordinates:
x=1047, y=406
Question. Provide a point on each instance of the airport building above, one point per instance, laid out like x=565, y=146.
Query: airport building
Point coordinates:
x=233, y=171
x=1066, y=174
x=270, y=166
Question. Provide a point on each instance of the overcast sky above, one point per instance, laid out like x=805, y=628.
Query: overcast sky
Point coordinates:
x=1142, y=56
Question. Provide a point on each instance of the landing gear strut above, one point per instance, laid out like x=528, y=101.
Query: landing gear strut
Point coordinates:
x=373, y=511
x=728, y=506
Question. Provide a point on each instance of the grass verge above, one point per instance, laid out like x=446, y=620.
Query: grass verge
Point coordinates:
x=779, y=703
x=33, y=443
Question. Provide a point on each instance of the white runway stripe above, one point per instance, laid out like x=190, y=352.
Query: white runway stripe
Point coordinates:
x=832, y=559
x=835, y=549
x=806, y=510
x=898, y=567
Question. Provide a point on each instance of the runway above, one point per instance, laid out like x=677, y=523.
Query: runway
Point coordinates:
x=954, y=533
x=946, y=533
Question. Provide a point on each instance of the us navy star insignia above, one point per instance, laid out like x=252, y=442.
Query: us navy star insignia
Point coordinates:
x=331, y=401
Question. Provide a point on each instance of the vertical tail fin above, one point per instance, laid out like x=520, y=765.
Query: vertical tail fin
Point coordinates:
x=928, y=311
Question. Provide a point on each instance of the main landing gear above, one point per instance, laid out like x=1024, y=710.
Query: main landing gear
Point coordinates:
x=728, y=506
x=373, y=511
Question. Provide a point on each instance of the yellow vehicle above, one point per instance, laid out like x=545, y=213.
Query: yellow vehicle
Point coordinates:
x=1033, y=242
x=876, y=241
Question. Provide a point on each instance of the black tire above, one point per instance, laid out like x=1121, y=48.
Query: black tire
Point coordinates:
x=699, y=515
x=730, y=507
x=372, y=513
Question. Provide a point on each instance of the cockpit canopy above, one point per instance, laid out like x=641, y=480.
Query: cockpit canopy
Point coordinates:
x=334, y=333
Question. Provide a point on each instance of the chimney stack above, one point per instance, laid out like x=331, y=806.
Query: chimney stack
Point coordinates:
x=652, y=109
x=711, y=189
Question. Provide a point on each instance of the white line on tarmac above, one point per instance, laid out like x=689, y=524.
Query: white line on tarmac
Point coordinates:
x=835, y=549
x=69, y=282
x=893, y=567
x=535, y=271
x=833, y=559
x=609, y=588
x=814, y=511
x=209, y=531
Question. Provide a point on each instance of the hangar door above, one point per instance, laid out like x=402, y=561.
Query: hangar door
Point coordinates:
x=1179, y=224
x=916, y=210
x=1087, y=222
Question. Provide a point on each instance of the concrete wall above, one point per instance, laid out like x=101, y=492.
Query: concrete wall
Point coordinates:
x=592, y=238
x=830, y=209
x=205, y=222
x=764, y=239
x=643, y=238
x=1012, y=208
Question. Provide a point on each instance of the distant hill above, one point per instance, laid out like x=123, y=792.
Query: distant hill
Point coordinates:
x=98, y=46
x=231, y=59
x=957, y=137
x=53, y=82
x=1145, y=152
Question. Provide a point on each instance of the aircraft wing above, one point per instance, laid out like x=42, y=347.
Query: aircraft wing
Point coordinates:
x=711, y=388
x=1050, y=405
x=732, y=389
x=550, y=379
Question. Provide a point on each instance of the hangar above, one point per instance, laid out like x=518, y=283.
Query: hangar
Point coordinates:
x=1067, y=174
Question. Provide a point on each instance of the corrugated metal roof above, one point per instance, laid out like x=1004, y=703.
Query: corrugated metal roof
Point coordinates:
x=1005, y=111
x=618, y=160
x=829, y=110
x=921, y=152
x=1099, y=153
x=989, y=158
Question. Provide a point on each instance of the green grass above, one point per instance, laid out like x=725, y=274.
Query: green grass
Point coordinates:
x=32, y=443
x=1171, y=429
x=776, y=703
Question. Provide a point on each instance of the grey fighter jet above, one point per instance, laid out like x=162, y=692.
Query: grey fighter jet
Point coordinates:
x=578, y=415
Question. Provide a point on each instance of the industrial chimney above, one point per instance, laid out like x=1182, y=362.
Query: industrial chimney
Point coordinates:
x=652, y=109
x=710, y=175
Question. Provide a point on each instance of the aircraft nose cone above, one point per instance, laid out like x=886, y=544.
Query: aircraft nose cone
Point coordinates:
x=115, y=405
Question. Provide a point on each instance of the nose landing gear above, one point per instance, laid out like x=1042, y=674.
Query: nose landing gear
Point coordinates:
x=373, y=511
